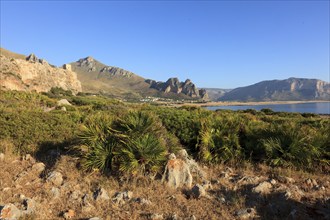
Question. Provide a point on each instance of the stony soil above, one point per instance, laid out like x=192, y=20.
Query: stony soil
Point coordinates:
x=53, y=187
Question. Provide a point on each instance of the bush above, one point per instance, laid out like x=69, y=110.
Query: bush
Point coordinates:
x=29, y=130
x=57, y=92
x=132, y=143
x=219, y=140
x=100, y=142
x=143, y=154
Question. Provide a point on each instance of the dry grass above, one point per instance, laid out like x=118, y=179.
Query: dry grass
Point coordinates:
x=164, y=200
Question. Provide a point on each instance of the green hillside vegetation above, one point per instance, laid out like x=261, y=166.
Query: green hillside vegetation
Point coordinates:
x=116, y=137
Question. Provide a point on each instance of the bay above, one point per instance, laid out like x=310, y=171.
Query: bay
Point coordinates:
x=310, y=107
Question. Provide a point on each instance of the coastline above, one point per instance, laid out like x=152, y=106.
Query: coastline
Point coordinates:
x=209, y=104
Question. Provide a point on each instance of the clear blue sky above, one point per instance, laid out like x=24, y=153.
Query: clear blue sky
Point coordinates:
x=223, y=44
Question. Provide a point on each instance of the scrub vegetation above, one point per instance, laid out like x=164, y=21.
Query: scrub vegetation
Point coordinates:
x=111, y=135
x=101, y=143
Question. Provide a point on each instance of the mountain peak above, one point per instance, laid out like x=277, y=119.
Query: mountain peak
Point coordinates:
x=88, y=62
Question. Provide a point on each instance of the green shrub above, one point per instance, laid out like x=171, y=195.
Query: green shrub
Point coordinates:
x=57, y=92
x=29, y=130
x=99, y=141
x=143, y=154
x=132, y=143
x=219, y=140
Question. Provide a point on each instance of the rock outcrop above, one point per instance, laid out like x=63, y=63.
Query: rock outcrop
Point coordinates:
x=173, y=85
x=89, y=64
x=179, y=170
x=177, y=173
x=35, y=74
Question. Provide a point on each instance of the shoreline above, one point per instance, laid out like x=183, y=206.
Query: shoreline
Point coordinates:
x=210, y=104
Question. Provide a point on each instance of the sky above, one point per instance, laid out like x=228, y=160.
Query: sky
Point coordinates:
x=216, y=44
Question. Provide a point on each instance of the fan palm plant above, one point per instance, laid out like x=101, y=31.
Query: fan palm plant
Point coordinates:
x=142, y=155
x=136, y=123
x=219, y=140
x=288, y=145
x=100, y=141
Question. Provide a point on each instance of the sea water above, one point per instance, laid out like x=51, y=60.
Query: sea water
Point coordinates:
x=310, y=107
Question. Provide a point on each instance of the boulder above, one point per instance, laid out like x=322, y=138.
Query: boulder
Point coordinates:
x=156, y=216
x=29, y=158
x=85, y=200
x=63, y=102
x=193, y=165
x=263, y=187
x=207, y=185
x=143, y=201
x=10, y=211
x=55, y=192
x=273, y=182
x=284, y=179
x=122, y=197
x=69, y=214
x=55, y=178
x=248, y=213
x=177, y=174
x=43, y=61
x=38, y=167
x=2, y=156
x=249, y=180
x=86, y=205
x=192, y=217
x=198, y=191
x=32, y=58
x=311, y=182
x=101, y=194
x=29, y=205
x=75, y=195
x=174, y=216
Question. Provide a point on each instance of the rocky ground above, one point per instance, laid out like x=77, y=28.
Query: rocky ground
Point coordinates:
x=53, y=187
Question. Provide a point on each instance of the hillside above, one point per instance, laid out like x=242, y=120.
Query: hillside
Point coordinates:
x=215, y=94
x=10, y=54
x=298, y=89
x=98, y=77
x=85, y=75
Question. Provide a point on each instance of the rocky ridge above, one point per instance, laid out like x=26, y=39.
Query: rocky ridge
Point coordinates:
x=92, y=65
x=35, y=74
x=173, y=85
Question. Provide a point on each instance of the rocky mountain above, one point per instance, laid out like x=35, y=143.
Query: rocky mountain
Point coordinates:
x=281, y=90
x=87, y=75
x=214, y=93
x=33, y=74
x=173, y=85
x=96, y=76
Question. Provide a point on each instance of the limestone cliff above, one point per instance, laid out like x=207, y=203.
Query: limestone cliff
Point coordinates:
x=35, y=74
